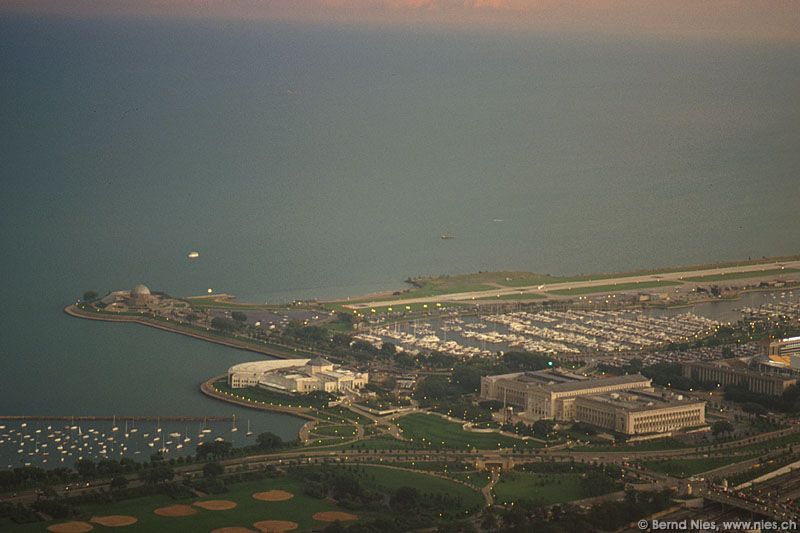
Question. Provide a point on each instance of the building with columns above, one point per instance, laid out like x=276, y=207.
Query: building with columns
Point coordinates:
x=639, y=412
x=296, y=376
x=551, y=394
x=722, y=374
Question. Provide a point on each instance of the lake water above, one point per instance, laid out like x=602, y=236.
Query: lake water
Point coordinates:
x=327, y=161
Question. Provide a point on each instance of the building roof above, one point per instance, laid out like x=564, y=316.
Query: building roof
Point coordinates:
x=266, y=366
x=603, y=382
x=140, y=290
x=636, y=401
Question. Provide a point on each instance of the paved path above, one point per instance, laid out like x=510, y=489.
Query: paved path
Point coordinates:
x=487, y=490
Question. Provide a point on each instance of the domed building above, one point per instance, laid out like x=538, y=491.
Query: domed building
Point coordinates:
x=140, y=295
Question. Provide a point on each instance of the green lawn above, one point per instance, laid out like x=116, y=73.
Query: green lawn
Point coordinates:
x=792, y=438
x=334, y=431
x=378, y=443
x=741, y=275
x=544, y=489
x=431, y=431
x=299, y=509
x=392, y=479
x=690, y=467
x=616, y=287
x=517, y=296
x=480, y=479
x=256, y=394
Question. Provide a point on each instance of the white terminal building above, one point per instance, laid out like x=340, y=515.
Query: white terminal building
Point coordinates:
x=296, y=376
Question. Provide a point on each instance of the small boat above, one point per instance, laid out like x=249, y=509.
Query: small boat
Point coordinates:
x=234, y=428
x=447, y=236
x=193, y=255
x=249, y=433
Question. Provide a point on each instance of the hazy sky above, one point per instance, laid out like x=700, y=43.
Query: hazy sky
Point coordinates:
x=725, y=19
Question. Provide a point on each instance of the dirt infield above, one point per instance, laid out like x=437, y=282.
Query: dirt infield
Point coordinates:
x=70, y=527
x=275, y=526
x=333, y=516
x=176, y=510
x=114, y=520
x=216, y=505
x=273, y=496
x=233, y=529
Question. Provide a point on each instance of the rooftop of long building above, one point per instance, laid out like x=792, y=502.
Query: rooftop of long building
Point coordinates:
x=635, y=401
x=561, y=381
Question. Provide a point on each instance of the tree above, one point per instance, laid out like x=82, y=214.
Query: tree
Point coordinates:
x=269, y=441
x=388, y=349
x=239, y=316
x=720, y=427
x=157, y=474
x=405, y=498
x=543, y=428
x=213, y=469
x=224, y=324
x=119, y=482
x=467, y=378
x=522, y=361
x=215, y=450
x=86, y=468
x=432, y=389
x=90, y=296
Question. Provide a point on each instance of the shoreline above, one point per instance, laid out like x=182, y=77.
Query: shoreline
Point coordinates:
x=73, y=311
x=684, y=278
x=208, y=389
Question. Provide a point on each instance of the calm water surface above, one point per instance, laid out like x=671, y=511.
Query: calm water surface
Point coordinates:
x=318, y=162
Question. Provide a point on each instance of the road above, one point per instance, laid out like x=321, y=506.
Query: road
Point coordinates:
x=643, y=278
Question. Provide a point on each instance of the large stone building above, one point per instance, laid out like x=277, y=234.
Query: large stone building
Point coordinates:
x=551, y=394
x=723, y=374
x=296, y=376
x=640, y=412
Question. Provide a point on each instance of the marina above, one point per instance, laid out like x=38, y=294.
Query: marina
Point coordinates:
x=49, y=442
x=544, y=332
x=578, y=331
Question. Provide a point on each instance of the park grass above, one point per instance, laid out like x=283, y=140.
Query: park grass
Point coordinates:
x=209, y=303
x=524, y=279
x=391, y=479
x=342, y=414
x=771, y=444
x=479, y=479
x=334, y=431
x=299, y=509
x=377, y=443
x=326, y=441
x=543, y=489
x=255, y=394
x=431, y=431
x=617, y=287
x=690, y=467
x=742, y=275
x=518, y=296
